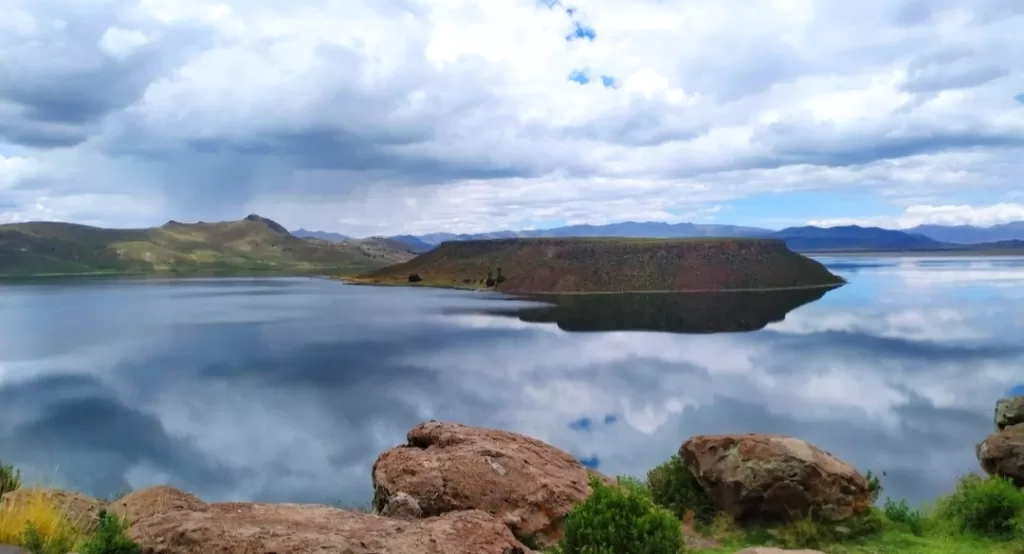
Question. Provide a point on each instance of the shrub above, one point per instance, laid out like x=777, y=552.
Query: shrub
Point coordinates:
x=674, y=487
x=991, y=506
x=110, y=538
x=620, y=520
x=874, y=486
x=415, y=278
x=10, y=479
x=902, y=514
x=37, y=525
x=489, y=282
x=804, y=533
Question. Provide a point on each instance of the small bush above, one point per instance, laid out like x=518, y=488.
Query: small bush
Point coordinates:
x=489, y=282
x=991, y=506
x=415, y=278
x=110, y=538
x=10, y=479
x=902, y=514
x=620, y=520
x=674, y=487
x=37, y=525
x=874, y=486
x=805, y=533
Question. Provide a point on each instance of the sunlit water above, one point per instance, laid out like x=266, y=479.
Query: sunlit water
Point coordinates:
x=287, y=389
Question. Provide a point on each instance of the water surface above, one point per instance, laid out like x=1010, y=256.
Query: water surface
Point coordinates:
x=287, y=389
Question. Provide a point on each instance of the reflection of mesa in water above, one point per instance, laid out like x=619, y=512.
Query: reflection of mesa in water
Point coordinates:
x=695, y=312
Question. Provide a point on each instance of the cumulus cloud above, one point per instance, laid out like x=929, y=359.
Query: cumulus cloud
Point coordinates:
x=329, y=115
x=962, y=214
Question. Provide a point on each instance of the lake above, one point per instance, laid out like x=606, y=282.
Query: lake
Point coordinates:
x=288, y=389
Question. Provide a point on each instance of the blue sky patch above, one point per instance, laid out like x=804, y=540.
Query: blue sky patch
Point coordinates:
x=1019, y=98
x=1017, y=390
x=582, y=424
x=581, y=31
x=608, y=81
x=580, y=76
x=610, y=419
x=592, y=462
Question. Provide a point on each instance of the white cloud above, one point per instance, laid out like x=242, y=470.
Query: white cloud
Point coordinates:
x=121, y=43
x=912, y=216
x=322, y=113
x=15, y=169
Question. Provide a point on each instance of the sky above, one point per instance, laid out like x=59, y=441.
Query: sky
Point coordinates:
x=412, y=116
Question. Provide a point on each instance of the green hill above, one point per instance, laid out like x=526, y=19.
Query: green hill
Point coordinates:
x=254, y=244
x=574, y=265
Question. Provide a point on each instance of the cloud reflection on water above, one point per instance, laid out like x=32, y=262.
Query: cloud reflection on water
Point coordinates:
x=288, y=390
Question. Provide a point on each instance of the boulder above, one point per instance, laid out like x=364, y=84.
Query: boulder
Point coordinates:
x=143, y=503
x=1009, y=411
x=774, y=478
x=446, y=467
x=11, y=549
x=238, y=528
x=80, y=509
x=1002, y=453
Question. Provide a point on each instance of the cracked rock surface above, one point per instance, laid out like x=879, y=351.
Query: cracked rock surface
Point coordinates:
x=774, y=477
x=528, y=485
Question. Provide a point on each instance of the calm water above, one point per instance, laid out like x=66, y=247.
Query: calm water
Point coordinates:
x=287, y=389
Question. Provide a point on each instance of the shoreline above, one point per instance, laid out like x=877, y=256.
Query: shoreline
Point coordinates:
x=582, y=293
x=916, y=253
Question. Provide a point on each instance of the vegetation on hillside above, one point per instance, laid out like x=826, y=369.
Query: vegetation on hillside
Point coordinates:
x=254, y=244
x=982, y=515
x=568, y=265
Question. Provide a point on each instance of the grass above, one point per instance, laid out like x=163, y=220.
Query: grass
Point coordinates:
x=982, y=515
x=40, y=524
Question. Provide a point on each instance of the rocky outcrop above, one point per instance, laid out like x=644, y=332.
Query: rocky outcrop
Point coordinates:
x=237, y=528
x=446, y=467
x=81, y=510
x=153, y=500
x=1002, y=453
x=774, y=478
x=1009, y=411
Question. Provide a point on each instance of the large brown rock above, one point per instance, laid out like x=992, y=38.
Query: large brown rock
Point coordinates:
x=144, y=503
x=236, y=528
x=445, y=467
x=1002, y=453
x=80, y=509
x=1009, y=411
x=774, y=478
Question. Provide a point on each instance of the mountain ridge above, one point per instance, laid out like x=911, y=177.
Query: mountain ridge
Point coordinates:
x=252, y=244
x=804, y=238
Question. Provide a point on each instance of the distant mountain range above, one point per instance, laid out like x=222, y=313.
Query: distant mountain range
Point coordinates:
x=807, y=239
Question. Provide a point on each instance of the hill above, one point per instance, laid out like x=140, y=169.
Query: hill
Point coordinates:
x=629, y=229
x=252, y=244
x=574, y=265
x=853, y=237
x=970, y=234
x=803, y=239
x=323, y=235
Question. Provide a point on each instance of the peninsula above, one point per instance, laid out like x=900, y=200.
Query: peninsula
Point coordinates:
x=608, y=265
x=253, y=244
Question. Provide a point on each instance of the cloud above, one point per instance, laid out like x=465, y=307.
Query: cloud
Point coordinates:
x=309, y=111
x=912, y=216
